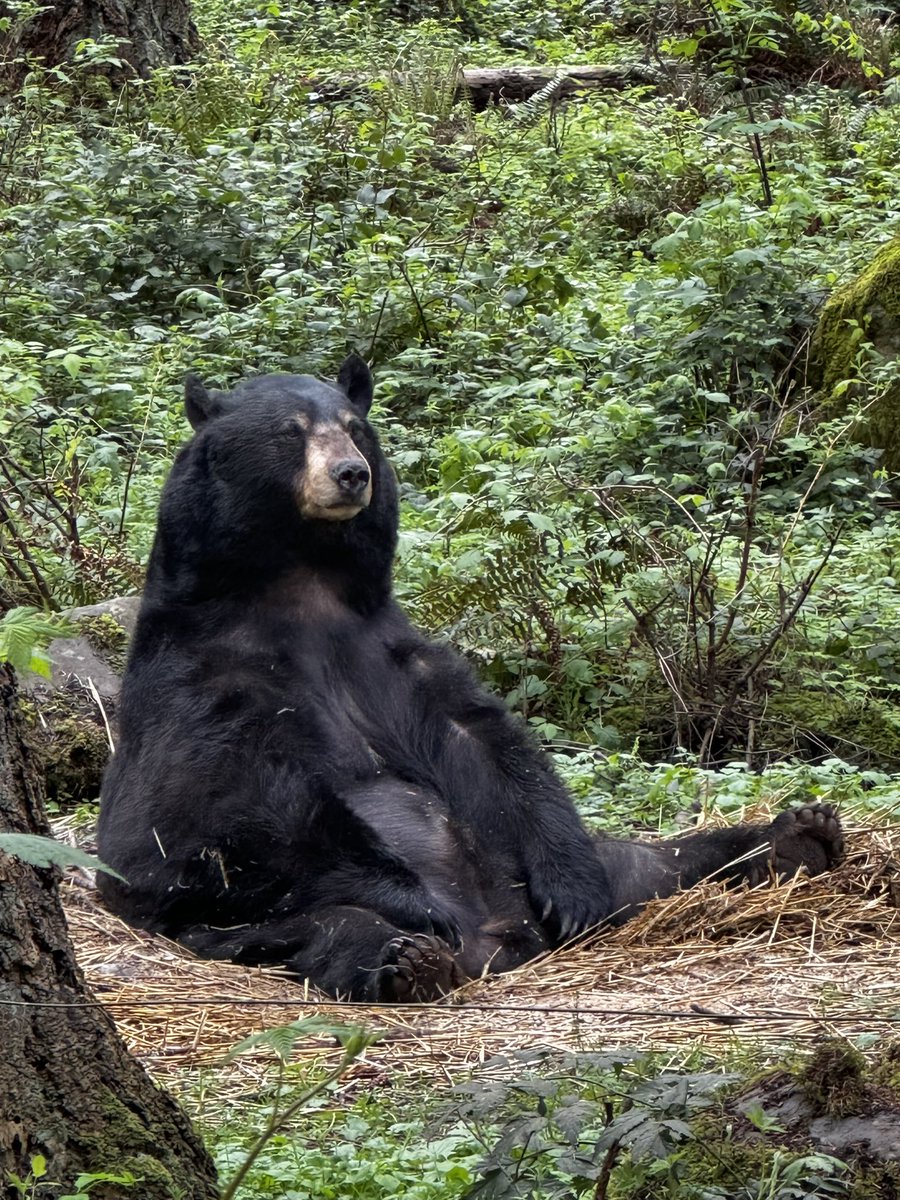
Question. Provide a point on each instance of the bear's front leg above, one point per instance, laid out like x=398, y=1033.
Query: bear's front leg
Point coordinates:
x=569, y=886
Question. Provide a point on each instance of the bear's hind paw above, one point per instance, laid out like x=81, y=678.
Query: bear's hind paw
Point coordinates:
x=417, y=968
x=809, y=837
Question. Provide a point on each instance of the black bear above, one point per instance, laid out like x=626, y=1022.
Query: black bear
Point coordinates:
x=303, y=778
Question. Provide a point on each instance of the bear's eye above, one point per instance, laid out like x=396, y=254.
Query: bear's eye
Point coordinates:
x=356, y=428
x=291, y=428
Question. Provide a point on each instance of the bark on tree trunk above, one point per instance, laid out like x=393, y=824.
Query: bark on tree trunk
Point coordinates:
x=149, y=33
x=69, y=1089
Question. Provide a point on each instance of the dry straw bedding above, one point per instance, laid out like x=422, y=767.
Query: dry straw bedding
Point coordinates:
x=793, y=961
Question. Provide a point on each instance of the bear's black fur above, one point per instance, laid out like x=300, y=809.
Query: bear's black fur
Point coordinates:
x=301, y=777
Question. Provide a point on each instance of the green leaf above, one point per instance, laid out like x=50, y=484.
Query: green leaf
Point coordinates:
x=541, y=523
x=23, y=631
x=72, y=364
x=282, y=1038
x=513, y=297
x=46, y=852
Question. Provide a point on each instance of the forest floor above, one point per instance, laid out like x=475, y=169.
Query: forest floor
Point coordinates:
x=801, y=960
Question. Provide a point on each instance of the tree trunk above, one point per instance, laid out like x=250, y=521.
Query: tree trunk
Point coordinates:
x=148, y=33
x=69, y=1089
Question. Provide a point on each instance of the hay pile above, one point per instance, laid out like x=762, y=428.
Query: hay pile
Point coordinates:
x=706, y=966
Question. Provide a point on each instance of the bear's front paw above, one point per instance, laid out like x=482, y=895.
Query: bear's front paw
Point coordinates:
x=809, y=837
x=568, y=903
x=416, y=969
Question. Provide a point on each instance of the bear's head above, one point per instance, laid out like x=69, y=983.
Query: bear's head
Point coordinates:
x=281, y=472
x=304, y=436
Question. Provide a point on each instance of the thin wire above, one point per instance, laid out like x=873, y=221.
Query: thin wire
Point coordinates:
x=725, y=1018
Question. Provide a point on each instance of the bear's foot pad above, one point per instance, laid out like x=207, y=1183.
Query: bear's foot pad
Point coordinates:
x=417, y=968
x=810, y=837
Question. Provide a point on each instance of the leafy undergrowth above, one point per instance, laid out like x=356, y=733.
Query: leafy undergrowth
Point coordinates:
x=623, y=494
x=588, y=321
x=622, y=1124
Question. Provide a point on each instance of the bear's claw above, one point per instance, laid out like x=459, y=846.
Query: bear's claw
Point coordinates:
x=417, y=968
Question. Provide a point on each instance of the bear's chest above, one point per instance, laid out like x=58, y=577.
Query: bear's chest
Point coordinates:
x=319, y=691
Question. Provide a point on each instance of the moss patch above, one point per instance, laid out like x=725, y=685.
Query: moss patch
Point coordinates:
x=864, y=730
x=107, y=637
x=67, y=736
x=865, y=310
x=835, y=1080
x=127, y=1146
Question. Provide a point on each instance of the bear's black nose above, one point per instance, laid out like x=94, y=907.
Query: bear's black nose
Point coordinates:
x=351, y=475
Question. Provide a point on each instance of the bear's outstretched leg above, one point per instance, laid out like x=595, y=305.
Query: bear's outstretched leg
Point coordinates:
x=808, y=837
x=352, y=953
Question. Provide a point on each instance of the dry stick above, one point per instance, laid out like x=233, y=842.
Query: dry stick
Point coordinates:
x=756, y=142
x=713, y=547
x=426, y=331
x=662, y=659
x=42, y=484
x=779, y=631
x=45, y=490
x=749, y=523
x=815, y=479
x=132, y=464
x=612, y=1154
x=374, y=338
x=65, y=528
x=13, y=567
x=39, y=582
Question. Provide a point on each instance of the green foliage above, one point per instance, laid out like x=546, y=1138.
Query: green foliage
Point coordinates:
x=604, y=1125
x=371, y=1152
x=587, y=323
x=618, y=1125
x=282, y=1040
x=28, y=1187
x=45, y=852
x=24, y=632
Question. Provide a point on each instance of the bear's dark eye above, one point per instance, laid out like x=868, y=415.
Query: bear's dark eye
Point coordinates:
x=356, y=429
x=291, y=428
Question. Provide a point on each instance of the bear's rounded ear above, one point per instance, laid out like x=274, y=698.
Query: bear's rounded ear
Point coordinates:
x=355, y=381
x=199, y=404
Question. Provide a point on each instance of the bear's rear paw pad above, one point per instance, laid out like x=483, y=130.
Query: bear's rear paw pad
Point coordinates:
x=417, y=968
x=809, y=837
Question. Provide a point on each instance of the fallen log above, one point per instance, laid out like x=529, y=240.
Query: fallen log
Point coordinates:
x=515, y=84
x=511, y=85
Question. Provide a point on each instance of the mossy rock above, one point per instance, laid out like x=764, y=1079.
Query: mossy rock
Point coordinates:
x=72, y=715
x=865, y=310
x=863, y=730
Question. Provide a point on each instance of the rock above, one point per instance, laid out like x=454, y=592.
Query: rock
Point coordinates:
x=72, y=715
